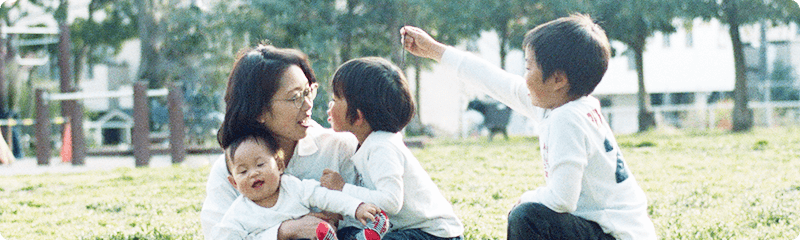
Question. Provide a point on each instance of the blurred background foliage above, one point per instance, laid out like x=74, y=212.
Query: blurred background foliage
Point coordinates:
x=194, y=43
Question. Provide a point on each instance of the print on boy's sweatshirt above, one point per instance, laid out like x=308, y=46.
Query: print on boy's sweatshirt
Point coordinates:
x=546, y=161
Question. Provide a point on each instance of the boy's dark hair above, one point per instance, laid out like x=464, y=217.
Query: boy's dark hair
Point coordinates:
x=379, y=89
x=253, y=82
x=575, y=45
x=263, y=137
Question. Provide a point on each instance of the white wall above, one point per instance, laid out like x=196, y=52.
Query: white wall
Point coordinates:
x=444, y=98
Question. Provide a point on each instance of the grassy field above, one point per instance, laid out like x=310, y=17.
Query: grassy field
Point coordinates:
x=700, y=185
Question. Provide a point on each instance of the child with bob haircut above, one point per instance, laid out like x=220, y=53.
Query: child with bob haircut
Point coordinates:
x=270, y=197
x=371, y=100
x=589, y=193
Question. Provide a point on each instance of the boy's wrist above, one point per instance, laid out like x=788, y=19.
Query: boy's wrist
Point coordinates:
x=438, y=51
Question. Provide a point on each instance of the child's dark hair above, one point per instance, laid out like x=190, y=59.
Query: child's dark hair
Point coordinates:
x=263, y=137
x=255, y=78
x=379, y=89
x=575, y=45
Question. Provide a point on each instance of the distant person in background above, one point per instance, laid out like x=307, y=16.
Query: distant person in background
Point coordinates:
x=589, y=192
x=6, y=156
x=275, y=88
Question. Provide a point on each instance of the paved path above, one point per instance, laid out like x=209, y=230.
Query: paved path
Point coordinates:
x=27, y=165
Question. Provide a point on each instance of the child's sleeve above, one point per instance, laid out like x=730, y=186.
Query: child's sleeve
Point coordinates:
x=566, y=159
x=385, y=167
x=347, y=146
x=508, y=88
x=233, y=225
x=317, y=196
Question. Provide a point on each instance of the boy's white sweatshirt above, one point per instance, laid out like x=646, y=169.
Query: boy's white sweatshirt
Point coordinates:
x=585, y=172
x=392, y=178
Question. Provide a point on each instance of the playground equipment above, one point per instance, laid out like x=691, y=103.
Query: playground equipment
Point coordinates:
x=141, y=126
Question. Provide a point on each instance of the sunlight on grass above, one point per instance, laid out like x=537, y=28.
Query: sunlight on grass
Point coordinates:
x=700, y=185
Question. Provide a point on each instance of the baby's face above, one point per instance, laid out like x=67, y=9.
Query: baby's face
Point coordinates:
x=255, y=172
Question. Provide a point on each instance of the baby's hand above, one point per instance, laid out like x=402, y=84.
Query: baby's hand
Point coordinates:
x=331, y=180
x=366, y=212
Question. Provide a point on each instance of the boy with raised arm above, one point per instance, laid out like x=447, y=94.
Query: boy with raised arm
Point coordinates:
x=589, y=193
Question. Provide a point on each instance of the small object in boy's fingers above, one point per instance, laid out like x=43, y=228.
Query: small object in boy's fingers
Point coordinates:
x=402, y=50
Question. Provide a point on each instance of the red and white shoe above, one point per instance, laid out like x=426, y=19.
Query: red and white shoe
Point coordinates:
x=326, y=232
x=375, y=229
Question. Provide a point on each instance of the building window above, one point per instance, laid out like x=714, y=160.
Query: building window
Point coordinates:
x=681, y=98
x=656, y=99
x=605, y=102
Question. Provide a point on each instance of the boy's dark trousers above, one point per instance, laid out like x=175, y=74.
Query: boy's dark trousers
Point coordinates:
x=536, y=221
x=349, y=233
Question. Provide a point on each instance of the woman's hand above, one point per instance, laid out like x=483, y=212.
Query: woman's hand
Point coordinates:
x=419, y=43
x=331, y=180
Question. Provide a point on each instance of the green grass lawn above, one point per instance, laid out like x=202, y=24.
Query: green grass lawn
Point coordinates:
x=700, y=185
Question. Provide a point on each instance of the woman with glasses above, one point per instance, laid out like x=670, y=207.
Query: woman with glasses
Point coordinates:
x=273, y=89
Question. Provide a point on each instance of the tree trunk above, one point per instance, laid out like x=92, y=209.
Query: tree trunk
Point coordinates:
x=345, y=31
x=65, y=68
x=742, y=115
x=502, y=28
x=78, y=62
x=415, y=127
x=503, y=42
x=149, y=65
x=646, y=119
x=3, y=89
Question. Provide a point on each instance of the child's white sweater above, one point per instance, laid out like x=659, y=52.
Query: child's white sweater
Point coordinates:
x=585, y=172
x=392, y=178
x=245, y=219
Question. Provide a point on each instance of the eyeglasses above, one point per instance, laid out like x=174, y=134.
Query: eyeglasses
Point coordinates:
x=301, y=96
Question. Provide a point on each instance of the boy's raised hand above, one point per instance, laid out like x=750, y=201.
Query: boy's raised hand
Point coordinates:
x=420, y=43
x=331, y=180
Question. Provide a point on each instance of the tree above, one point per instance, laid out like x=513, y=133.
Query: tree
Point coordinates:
x=632, y=22
x=737, y=13
x=95, y=40
x=6, y=54
x=150, y=38
x=371, y=28
x=513, y=18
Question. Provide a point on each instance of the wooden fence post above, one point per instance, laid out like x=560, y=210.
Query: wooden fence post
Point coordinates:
x=76, y=128
x=141, y=124
x=177, y=129
x=42, y=129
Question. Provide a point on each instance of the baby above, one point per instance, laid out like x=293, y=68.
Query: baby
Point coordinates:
x=270, y=197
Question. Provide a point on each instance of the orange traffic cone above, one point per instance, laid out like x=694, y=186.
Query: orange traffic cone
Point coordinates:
x=66, y=143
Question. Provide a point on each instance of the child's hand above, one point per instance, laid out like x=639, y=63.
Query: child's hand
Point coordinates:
x=366, y=212
x=419, y=43
x=331, y=180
